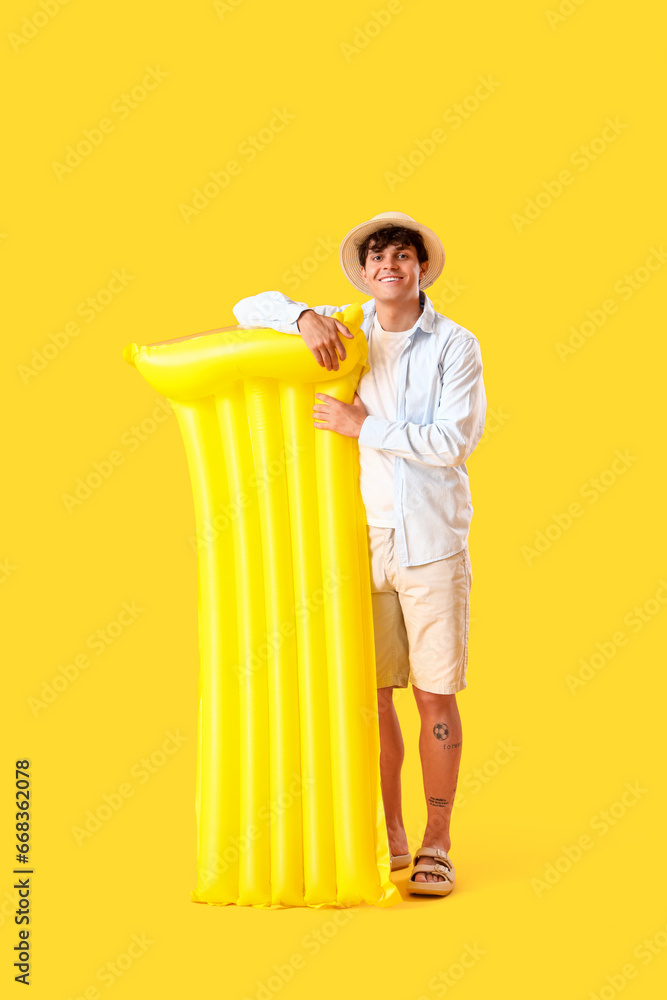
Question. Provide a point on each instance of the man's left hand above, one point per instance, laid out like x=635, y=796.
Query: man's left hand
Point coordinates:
x=334, y=415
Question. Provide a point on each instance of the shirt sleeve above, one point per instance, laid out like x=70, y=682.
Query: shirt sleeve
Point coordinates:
x=276, y=311
x=459, y=418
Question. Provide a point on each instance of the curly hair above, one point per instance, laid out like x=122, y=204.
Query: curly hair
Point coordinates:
x=396, y=235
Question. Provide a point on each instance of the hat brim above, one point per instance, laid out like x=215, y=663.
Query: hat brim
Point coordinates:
x=349, y=260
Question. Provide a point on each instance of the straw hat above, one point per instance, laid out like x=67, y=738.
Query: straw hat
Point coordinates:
x=349, y=259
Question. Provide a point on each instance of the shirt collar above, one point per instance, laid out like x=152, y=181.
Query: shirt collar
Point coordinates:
x=426, y=320
x=428, y=315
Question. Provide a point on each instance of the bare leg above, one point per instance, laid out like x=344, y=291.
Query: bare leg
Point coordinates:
x=440, y=752
x=391, y=760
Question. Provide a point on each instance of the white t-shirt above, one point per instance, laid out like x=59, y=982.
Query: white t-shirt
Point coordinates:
x=377, y=390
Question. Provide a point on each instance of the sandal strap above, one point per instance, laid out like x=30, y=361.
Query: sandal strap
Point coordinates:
x=433, y=869
x=432, y=852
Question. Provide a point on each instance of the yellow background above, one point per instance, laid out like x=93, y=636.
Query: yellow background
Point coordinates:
x=554, y=427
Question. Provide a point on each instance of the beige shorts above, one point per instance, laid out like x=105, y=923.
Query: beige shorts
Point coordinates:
x=421, y=616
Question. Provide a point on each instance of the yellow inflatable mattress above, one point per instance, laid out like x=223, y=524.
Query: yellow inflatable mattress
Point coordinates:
x=288, y=803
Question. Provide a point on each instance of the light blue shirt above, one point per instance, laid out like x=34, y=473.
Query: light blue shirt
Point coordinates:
x=440, y=414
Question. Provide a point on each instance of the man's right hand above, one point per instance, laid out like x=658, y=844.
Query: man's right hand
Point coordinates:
x=322, y=336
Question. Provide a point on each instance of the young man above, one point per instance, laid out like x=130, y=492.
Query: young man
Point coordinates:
x=418, y=415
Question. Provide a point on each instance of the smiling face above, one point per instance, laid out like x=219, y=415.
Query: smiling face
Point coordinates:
x=393, y=274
